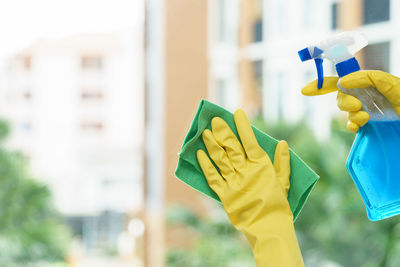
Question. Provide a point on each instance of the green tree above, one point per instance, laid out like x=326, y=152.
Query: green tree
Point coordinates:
x=30, y=229
x=212, y=241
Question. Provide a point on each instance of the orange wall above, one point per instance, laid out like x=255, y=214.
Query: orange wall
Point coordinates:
x=349, y=20
x=251, y=98
x=186, y=84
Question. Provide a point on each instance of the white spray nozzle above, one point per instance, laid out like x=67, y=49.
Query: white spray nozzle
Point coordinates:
x=339, y=48
x=354, y=41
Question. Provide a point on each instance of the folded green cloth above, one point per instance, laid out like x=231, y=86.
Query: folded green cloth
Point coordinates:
x=302, y=177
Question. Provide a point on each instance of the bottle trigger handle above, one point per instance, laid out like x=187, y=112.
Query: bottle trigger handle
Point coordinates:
x=320, y=71
x=316, y=54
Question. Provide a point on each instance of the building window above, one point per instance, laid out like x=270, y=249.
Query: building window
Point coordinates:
x=258, y=22
x=258, y=75
x=281, y=16
x=308, y=9
x=258, y=79
x=377, y=57
x=27, y=96
x=92, y=95
x=222, y=31
x=27, y=62
x=94, y=126
x=258, y=31
x=222, y=93
x=91, y=62
x=280, y=89
x=376, y=11
x=25, y=126
x=97, y=231
x=334, y=16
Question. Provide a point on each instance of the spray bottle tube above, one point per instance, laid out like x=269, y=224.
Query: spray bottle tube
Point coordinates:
x=373, y=159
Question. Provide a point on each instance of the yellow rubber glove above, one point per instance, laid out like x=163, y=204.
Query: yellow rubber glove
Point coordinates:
x=253, y=191
x=387, y=84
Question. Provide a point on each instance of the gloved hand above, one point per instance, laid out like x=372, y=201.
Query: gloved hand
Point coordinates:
x=253, y=191
x=387, y=84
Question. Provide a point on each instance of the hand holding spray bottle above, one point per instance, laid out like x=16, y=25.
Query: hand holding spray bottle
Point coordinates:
x=374, y=161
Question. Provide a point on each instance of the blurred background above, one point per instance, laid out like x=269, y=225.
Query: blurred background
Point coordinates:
x=96, y=98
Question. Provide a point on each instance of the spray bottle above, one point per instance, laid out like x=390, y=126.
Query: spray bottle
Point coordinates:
x=373, y=162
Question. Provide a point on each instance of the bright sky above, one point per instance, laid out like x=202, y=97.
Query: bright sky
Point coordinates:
x=22, y=22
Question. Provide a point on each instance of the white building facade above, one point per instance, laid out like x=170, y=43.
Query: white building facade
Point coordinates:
x=76, y=109
x=285, y=27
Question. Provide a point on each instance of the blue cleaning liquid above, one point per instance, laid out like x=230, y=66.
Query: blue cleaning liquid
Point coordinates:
x=374, y=164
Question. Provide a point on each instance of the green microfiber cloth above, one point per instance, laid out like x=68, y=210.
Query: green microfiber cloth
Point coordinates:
x=302, y=177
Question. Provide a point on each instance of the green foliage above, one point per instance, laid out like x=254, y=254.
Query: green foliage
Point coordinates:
x=217, y=243
x=30, y=230
x=4, y=130
x=334, y=226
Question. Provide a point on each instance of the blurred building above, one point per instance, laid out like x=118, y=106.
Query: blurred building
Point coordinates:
x=253, y=46
x=75, y=106
x=251, y=59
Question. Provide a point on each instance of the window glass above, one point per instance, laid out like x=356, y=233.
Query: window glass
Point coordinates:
x=377, y=57
x=91, y=62
x=376, y=11
x=91, y=125
x=258, y=23
x=334, y=16
x=89, y=95
x=222, y=31
x=222, y=92
x=27, y=62
x=280, y=88
x=281, y=17
x=307, y=10
x=258, y=81
x=258, y=30
x=258, y=74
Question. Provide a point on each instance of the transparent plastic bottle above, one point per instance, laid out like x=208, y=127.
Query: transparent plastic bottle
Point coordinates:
x=373, y=162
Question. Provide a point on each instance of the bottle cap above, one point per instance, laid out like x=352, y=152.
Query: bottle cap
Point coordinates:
x=304, y=54
x=348, y=66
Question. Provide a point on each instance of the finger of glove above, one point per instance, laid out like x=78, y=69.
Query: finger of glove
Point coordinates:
x=282, y=164
x=246, y=134
x=218, y=154
x=347, y=102
x=214, y=179
x=328, y=86
x=352, y=126
x=359, y=117
x=387, y=84
x=227, y=139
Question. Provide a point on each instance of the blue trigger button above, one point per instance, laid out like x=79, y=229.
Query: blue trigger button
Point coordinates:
x=317, y=52
x=304, y=54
